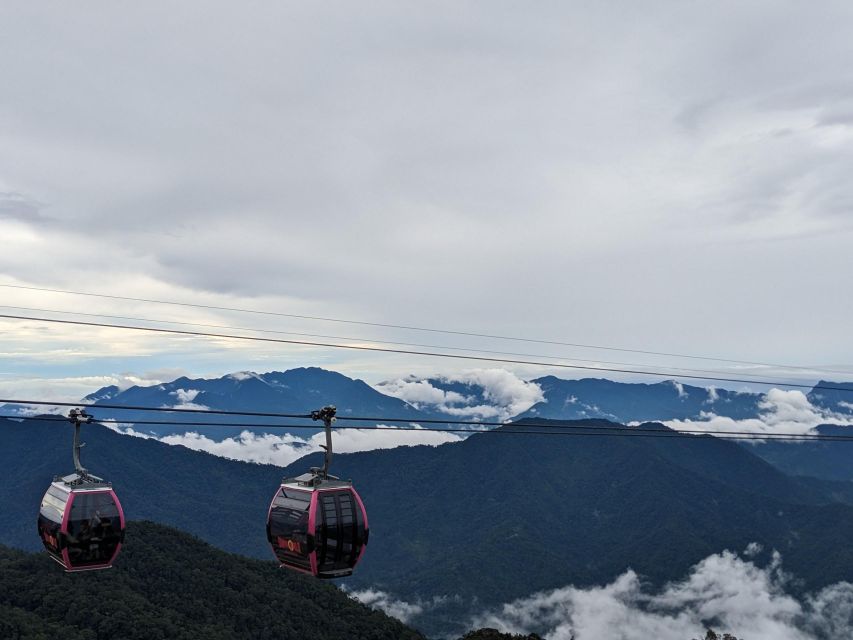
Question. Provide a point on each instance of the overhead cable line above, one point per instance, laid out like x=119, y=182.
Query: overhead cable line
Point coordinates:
x=256, y=414
x=530, y=429
x=512, y=427
x=529, y=423
x=550, y=424
x=371, y=340
x=454, y=356
x=416, y=328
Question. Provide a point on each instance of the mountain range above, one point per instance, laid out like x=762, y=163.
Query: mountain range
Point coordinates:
x=482, y=521
x=298, y=391
x=303, y=389
x=490, y=394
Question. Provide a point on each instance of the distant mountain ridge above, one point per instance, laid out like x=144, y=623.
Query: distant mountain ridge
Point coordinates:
x=301, y=390
x=833, y=396
x=593, y=398
x=638, y=402
x=296, y=391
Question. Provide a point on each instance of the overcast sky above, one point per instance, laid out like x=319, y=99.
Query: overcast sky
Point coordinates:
x=670, y=176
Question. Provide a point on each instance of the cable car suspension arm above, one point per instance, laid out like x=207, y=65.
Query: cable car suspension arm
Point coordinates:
x=327, y=415
x=78, y=417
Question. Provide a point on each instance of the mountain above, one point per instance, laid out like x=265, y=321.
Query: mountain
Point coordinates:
x=483, y=521
x=472, y=518
x=838, y=398
x=168, y=584
x=827, y=460
x=636, y=402
x=297, y=391
x=214, y=498
x=493, y=394
x=497, y=393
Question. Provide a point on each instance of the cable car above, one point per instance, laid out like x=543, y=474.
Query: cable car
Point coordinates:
x=317, y=523
x=81, y=522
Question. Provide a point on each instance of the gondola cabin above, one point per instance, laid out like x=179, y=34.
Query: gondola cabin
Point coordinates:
x=317, y=526
x=81, y=523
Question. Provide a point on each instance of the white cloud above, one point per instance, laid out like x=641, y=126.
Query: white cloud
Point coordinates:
x=185, y=395
x=420, y=392
x=505, y=392
x=506, y=389
x=457, y=119
x=185, y=399
x=240, y=376
x=73, y=389
x=680, y=388
x=400, y=609
x=724, y=590
x=281, y=450
x=782, y=412
x=403, y=611
x=36, y=410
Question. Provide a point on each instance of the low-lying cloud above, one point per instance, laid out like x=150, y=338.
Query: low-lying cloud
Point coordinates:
x=281, y=450
x=496, y=394
x=185, y=399
x=384, y=601
x=782, y=413
x=72, y=389
x=724, y=591
x=403, y=610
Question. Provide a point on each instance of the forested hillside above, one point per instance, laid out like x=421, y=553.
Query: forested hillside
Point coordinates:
x=168, y=585
x=827, y=460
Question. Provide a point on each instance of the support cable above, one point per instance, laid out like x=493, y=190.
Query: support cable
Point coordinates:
x=416, y=328
x=507, y=428
x=392, y=342
x=415, y=353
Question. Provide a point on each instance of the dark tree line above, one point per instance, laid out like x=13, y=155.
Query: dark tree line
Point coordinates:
x=170, y=585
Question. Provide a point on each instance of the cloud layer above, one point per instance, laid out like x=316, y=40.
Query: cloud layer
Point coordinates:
x=384, y=601
x=488, y=394
x=533, y=172
x=783, y=412
x=281, y=450
x=725, y=591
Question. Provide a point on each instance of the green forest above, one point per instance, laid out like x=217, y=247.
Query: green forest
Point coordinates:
x=171, y=585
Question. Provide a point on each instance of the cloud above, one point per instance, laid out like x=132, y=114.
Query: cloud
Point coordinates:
x=680, y=388
x=403, y=611
x=185, y=399
x=73, y=389
x=494, y=394
x=782, y=412
x=240, y=376
x=16, y=206
x=281, y=450
x=470, y=136
x=723, y=590
x=420, y=393
x=400, y=609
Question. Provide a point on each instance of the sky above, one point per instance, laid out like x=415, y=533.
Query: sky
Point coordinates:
x=664, y=176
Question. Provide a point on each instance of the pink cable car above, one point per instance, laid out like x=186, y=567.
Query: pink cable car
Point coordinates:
x=317, y=523
x=81, y=522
